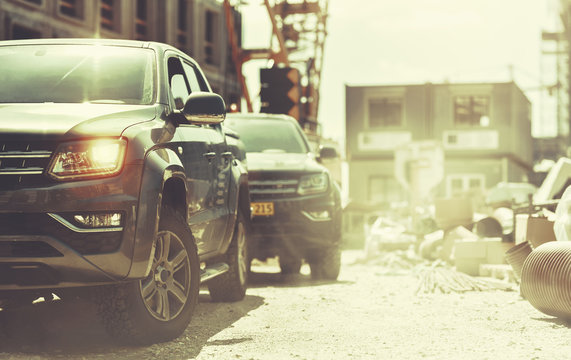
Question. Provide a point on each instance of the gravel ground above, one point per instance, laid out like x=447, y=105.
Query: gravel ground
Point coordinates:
x=367, y=314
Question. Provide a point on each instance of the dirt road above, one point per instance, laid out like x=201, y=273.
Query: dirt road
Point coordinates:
x=366, y=314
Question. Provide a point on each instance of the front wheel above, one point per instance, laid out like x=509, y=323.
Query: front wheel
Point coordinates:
x=159, y=307
x=326, y=263
x=231, y=286
x=289, y=264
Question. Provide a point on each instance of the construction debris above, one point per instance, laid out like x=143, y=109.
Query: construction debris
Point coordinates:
x=398, y=262
x=439, y=278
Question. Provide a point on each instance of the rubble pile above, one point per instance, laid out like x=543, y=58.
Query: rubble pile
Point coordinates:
x=440, y=278
x=397, y=262
x=477, y=243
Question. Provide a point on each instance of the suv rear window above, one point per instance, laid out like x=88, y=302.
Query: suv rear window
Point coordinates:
x=76, y=74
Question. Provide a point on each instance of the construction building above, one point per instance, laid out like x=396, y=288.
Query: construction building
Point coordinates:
x=484, y=130
x=197, y=27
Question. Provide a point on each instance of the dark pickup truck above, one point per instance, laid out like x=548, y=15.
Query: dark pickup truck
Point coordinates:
x=296, y=204
x=116, y=180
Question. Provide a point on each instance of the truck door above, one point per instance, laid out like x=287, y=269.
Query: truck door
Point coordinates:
x=194, y=146
x=220, y=162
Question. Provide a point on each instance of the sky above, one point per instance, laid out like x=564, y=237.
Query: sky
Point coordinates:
x=381, y=42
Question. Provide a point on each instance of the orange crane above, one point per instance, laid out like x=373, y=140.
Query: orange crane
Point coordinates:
x=297, y=41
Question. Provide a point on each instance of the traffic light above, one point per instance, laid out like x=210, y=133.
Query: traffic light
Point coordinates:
x=280, y=91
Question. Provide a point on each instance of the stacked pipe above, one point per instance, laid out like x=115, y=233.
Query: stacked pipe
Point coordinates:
x=516, y=257
x=546, y=271
x=539, y=231
x=545, y=279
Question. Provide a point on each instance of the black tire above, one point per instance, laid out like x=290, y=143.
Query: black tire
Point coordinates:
x=325, y=264
x=232, y=285
x=135, y=312
x=289, y=264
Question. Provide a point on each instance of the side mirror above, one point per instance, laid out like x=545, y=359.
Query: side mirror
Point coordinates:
x=327, y=152
x=204, y=108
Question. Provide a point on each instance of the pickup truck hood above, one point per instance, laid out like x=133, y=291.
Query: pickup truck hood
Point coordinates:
x=281, y=161
x=71, y=120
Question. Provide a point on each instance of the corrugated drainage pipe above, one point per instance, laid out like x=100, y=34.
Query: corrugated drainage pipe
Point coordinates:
x=546, y=279
x=516, y=255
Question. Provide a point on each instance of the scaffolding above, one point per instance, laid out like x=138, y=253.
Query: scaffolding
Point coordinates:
x=297, y=41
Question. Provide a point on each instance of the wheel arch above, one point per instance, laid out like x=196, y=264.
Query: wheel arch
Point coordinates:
x=240, y=200
x=174, y=194
x=163, y=182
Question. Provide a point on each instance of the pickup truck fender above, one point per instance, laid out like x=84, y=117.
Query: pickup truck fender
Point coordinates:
x=160, y=165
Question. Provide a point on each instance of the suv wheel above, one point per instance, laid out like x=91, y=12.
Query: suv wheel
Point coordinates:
x=325, y=264
x=231, y=286
x=159, y=307
x=289, y=264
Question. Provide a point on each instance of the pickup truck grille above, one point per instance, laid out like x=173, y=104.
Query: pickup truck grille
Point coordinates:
x=271, y=189
x=23, y=163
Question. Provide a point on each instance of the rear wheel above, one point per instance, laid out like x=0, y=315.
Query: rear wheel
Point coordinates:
x=159, y=307
x=231, y=286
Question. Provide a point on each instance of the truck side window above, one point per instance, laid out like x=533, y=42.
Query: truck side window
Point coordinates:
x=178, y=90
x=179, y=86
x=192, y=77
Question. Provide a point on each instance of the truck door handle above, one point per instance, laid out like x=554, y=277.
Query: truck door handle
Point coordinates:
x=209, y=155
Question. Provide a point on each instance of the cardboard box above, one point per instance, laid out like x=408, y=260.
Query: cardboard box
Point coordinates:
x=452, y=212
x=496, y=251
x=469, y=255
x=539, y=231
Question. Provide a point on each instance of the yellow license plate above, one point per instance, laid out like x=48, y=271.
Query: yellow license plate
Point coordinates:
x=262, y=208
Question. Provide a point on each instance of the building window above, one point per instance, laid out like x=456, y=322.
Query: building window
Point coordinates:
x=384, y=189
x=472, y=110
x=71, y=8
x=23, y=32
x=182, y=25
x=385, y=112
x=461, y=184
x=141, y=21
x=110, y=15
x=211, y=27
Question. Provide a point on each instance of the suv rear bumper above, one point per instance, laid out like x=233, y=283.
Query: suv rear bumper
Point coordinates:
x=41, y=246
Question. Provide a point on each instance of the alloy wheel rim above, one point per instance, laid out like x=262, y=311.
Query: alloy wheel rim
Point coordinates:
x=166, y=290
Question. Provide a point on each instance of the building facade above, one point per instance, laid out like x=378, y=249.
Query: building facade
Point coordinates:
x=483, y=129
x=197, y=27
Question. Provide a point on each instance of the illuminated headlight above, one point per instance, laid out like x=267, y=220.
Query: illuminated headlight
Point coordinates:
x=312, y=184
x=88, y=159
x=98, y=220
x=317, y=215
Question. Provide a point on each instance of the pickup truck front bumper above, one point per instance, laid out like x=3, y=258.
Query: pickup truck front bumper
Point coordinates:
x=299, y=224
x=43, y=245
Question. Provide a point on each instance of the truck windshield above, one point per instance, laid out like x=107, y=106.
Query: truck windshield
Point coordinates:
x=76, y=74
x=267, y=135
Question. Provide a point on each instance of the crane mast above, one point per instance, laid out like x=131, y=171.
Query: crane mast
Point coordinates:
x=291, y=85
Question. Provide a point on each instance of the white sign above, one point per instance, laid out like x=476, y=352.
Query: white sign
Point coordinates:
x=471, y=139
x=419, y=166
